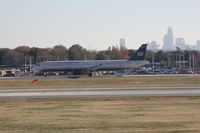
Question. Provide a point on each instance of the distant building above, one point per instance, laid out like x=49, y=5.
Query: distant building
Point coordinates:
x=122, y=44
x=180, y=42
x=168, y=40
x=198, y=45
x=192, y=47
x=153, y=46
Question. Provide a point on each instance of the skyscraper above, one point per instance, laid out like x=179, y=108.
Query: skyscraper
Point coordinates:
x=122, y=44
x=168, y=40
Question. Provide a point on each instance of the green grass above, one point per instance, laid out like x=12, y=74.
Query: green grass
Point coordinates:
x=102, y=82
x=101, y=115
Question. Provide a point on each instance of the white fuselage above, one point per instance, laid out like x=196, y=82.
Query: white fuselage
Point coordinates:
x=89, y=64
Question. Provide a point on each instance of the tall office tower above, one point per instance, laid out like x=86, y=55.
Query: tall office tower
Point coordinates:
x=180, y=42
x=168, y=40
x=198, y=45
x=122, y=44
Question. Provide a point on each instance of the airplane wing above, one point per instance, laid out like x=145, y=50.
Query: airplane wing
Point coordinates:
x=93, y=68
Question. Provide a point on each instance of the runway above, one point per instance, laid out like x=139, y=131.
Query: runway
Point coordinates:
x=101, y=92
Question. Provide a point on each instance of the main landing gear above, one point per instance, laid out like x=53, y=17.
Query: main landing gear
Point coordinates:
x=90, y=74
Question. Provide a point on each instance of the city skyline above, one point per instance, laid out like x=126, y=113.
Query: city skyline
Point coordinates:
x=95, y=24
x=171, y=42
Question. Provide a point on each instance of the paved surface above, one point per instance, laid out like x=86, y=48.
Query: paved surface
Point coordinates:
x=101, y=76
x=101, y=92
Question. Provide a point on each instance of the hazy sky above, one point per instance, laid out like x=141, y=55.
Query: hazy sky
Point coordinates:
x=96, y=24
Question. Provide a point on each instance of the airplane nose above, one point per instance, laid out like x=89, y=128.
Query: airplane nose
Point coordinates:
x=35, y=69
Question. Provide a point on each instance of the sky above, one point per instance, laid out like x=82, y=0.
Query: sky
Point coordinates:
x=96, y=24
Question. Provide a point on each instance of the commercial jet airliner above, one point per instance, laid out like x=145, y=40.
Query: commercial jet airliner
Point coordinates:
x=89, y=66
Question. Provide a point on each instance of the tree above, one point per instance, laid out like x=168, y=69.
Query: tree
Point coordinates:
x=101, y=55
x=160, y=56
x=44, y=52
x=91, y=55
x=115, y=53
x=76, y=52
x=131, y=53
x=124, y=54
x=23, y=50
x=59, y=51
x=149, y=55
x=12, y=58
x=33, y=53
x=3, y=52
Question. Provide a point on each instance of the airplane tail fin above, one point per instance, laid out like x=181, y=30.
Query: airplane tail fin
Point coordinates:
x=140, y=53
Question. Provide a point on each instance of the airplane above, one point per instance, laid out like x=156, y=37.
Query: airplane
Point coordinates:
x=89, y=66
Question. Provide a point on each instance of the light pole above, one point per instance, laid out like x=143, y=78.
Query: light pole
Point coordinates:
x=30, y=66
x=3, y=60
x=25, y=64
x=153, y=62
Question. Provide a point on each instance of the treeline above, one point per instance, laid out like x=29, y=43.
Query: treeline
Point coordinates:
x=22, y=55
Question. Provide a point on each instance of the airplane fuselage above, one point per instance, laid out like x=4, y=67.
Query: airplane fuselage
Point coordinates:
x=96, y=65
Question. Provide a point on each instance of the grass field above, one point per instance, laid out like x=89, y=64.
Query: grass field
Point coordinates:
x=102, y=82
x=103, y=115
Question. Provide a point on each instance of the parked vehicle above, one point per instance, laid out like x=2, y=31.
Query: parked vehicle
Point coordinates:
x=2, y=73
x=186, y=72
x=10, y=73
